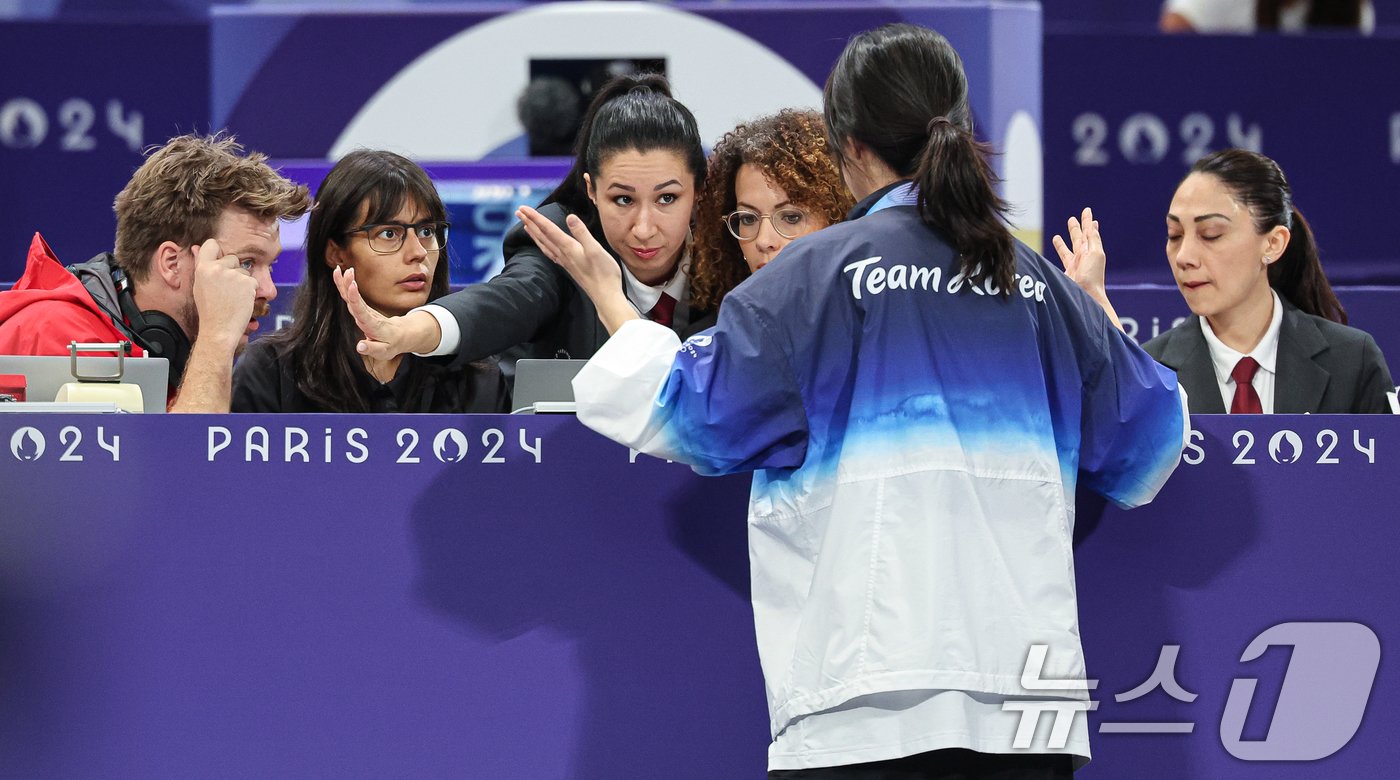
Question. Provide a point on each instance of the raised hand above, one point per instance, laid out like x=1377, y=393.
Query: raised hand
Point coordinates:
x=385, y=337
x=1084, y=259
x=224, y=294
x=591, y=266
x=577, y=251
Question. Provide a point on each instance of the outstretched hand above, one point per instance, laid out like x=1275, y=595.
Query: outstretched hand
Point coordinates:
x=591, y=266
x=577, y=251
x=1084, y=259
x=385, y=337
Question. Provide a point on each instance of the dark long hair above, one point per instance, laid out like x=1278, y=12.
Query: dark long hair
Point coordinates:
x=900, y=89
x=1258, y=182
x=629, y=113
x=1322, y=13
x=321, y=341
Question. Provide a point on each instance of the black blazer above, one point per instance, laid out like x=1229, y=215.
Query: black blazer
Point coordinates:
x=1323, y=367
x=531, y=309
x=699, y=322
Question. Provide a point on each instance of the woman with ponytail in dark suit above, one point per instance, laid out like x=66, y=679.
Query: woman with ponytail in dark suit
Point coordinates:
x=918, y=394
x=1269, y=334
x=634, y=182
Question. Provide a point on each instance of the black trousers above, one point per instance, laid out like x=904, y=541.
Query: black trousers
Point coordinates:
x=951, y=764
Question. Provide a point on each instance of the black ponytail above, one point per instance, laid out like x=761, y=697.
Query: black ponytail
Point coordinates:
x=1258, y=182
x=900, y=89
x=958, y=198
x=630, y=112
x=1298, y=276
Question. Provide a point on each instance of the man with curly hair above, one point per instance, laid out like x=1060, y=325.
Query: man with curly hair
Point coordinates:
x=197, y=233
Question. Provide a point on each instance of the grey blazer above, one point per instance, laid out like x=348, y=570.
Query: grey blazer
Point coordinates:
x=1323, y=367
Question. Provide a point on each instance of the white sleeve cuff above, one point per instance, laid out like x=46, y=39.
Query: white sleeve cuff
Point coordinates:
x=451, y=334
x=617, y=389
x=1185, y=417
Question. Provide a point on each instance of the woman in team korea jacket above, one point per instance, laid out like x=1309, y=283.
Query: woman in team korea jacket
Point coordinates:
x=918, y=395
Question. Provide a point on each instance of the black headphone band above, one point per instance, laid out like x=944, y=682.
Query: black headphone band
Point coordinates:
x=156, y=332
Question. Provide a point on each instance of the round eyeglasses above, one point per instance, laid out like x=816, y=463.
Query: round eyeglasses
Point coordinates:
x=789, y=222
x=386, y=238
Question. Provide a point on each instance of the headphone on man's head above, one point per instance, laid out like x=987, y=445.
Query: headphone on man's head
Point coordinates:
x=157, y=332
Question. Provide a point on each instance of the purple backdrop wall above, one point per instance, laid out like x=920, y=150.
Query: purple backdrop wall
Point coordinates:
x=440, y=596
x=78, y=103
x=1157, y=103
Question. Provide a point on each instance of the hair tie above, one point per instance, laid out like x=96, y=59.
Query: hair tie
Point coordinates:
x=935, y=122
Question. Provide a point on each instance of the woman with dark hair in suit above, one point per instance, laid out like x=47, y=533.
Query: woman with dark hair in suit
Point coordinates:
x=638, y=168
x=1268, y=334
x=379, y=214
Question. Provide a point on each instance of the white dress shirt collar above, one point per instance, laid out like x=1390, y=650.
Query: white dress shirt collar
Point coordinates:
x=645, y=296
x=1265, y=353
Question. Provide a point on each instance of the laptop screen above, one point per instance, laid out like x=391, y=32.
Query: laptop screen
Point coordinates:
x=544, y=381
x=44, y=375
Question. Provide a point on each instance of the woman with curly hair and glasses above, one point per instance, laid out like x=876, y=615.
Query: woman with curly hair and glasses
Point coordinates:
x=770, y=181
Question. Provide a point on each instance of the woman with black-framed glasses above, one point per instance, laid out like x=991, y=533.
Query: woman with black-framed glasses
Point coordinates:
x=378, y=213
x=770, y=181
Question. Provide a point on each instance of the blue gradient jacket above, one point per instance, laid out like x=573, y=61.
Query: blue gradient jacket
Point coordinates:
x=916, y=441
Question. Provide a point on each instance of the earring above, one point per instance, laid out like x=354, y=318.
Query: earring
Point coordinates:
x=1267, y=260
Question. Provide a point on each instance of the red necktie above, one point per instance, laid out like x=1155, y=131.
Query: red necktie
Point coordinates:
x=1246, y=400
x=664, y=309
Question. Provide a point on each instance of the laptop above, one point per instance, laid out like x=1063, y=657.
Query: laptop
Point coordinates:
x=44, y=375
x=543, y=386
